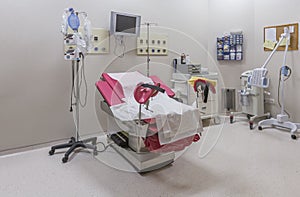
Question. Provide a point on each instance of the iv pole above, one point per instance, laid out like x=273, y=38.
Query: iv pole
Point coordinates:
x=148, y=46
x=75, y=142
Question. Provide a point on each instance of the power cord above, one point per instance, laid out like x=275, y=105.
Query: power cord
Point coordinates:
x=279, y=84
x=104, y=146
x=72, y=90
x=119, y=41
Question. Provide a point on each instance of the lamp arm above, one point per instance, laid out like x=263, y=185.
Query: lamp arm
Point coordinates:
x=284, y=35
x=258, y=77
x=286, y=45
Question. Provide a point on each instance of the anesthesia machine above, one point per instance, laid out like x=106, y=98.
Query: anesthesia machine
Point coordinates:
x=251, y=100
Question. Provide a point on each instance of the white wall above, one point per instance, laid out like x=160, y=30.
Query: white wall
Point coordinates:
x=226, y=16
x=36, y=81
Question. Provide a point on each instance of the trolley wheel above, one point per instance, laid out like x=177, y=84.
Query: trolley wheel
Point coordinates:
x=259, y=128
x=294, y=137
x=251, y=125
x=51, y=152
x=231, y=119
x=217, y=120
x=65, y=159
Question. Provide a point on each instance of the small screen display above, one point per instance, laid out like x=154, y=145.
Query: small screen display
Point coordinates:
x=125, y=24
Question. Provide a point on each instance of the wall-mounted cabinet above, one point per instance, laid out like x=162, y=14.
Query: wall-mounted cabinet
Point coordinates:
x=230, y=47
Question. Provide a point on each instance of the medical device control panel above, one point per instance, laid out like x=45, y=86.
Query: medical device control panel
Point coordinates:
x=158, y=44
x=230, y=46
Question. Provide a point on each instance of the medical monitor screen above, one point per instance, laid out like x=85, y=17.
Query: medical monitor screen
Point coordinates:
x=125, y=24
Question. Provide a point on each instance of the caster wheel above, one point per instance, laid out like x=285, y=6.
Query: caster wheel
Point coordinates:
x=72, y=140
x=251, y=126
x=294, y=137
x=259, y=128
x=231, y=119
x=51, y=152
x=248, y=116
x=95, y=152
x=65, y=159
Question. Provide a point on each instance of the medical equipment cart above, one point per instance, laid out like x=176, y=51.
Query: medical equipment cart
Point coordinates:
x=251, y=100
x=186, y=92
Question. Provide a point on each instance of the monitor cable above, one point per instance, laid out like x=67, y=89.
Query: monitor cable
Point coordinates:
x=119, y=42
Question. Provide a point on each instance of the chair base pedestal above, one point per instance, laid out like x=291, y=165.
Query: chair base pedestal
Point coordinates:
x=144, y=162
x=73, y=145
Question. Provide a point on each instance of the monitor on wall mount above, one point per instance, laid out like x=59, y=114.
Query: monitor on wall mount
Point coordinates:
x=124, y=24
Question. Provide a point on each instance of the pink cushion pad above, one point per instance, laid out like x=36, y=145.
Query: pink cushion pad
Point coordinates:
x=108, y=94
x=153, y=145
x=114, y=84
x=162, y=85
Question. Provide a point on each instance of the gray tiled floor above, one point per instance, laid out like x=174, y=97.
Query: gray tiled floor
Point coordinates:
x=242, y=163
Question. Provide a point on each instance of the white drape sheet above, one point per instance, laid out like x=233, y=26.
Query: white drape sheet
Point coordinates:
x=174, y=120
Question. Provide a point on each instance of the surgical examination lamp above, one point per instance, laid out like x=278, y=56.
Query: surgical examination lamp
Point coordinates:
x=259, y=79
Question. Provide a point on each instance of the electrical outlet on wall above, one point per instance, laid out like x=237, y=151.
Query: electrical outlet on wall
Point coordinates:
x=100, y=41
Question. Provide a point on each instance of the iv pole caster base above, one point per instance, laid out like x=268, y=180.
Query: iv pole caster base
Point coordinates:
x=251, y=125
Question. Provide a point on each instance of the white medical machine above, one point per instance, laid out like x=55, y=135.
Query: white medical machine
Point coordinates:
x=259, y=79
x=79, y=45
x=251, y=100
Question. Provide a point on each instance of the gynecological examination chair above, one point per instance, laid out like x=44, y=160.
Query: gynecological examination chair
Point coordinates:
x=146, y=125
